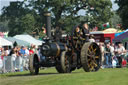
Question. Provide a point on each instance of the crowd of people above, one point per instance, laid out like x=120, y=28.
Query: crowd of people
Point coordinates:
x=113, y=55
x=19, y=56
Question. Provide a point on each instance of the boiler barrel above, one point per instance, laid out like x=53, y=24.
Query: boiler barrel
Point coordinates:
x=53, y=49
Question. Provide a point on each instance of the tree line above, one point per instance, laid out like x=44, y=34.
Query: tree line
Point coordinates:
x=27, y=16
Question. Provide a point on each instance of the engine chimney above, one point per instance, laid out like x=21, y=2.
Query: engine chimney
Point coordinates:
x=47, y=16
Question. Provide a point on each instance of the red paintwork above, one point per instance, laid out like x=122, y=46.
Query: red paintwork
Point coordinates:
x=104, y=36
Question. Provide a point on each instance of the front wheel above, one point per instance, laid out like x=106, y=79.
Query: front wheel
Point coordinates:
x=59, y=67
x=65, y=62
x=33, y=64
x=63, y=65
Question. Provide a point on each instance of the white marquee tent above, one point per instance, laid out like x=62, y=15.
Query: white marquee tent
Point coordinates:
x=4, y=42
x=29, y=39
x=19, y=42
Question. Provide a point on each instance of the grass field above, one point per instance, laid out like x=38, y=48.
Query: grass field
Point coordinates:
x=79, y=77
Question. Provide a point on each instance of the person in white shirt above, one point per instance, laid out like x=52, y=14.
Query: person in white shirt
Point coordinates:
x=114, y=59
x=26, y=51
x=13, y=54
x=102, y=53
x=107, y=52
x=91, y=38
x=112, y=49
x=26, y=59
x=120, y=51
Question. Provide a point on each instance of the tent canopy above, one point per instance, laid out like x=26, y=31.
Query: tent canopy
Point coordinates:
x=4, y=42
x=19, y=42
x=121, y=37
x=125, y=40
x=110, y=30
x=29, y=39
x=119, y=33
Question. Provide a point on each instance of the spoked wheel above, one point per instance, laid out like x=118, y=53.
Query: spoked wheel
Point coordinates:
x=59, y=67
x=33, y=64
x=73, y=61
x=65, y=62
x=90, y=57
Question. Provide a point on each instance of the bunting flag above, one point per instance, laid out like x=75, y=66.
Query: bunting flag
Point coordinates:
x=106, y=25
x=95, y=29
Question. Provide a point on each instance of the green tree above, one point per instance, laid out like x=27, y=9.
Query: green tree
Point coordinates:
x=18, y=18
x=122, y=11
x=99, y=12
x=14, y=10
x=27, y=23
x=4, y=26
x=14, y=26
x=60, y=9
x=66, y=11
x=115, y=19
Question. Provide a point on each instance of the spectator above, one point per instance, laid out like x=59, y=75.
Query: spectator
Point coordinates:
x=26, y=51
x=26, y=58
x=13, y=55
x=33, y=47
x=91, y=39
x=114, y=62
x=112, y=49
x=19, y=58
x=22, y=51
x=0, y=50
x=23, y=54
x=114, y=59
x=124, y=62
x=6, y=51
x=102, y=54
x=1, y=65
x=2, y=53
x=120, y=50
x=108, y=58
x=31, y=51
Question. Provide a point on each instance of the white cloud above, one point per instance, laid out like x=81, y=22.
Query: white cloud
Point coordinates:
x=114, y=6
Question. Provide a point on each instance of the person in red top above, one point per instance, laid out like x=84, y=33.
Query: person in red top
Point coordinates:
x=2, y=53
x=31, y=51
x=124, y=63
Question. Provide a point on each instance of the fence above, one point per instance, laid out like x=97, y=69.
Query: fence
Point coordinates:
x=10, y=65
x=1, y=65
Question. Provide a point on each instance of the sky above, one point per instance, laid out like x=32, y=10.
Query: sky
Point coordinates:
x=6, y=3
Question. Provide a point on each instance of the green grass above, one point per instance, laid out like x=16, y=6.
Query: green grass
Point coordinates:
x=78, y=77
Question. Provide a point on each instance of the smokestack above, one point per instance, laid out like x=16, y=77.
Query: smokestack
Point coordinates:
x=48, y=23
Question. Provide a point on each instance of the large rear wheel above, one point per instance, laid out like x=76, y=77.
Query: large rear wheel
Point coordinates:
x=90, y=57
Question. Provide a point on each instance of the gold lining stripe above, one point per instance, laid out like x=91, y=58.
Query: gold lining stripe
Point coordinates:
x=47, y=14
x=58, y=50
x=66, y=48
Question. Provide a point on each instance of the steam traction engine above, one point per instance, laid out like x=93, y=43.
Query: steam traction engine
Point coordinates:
x=66, y=56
